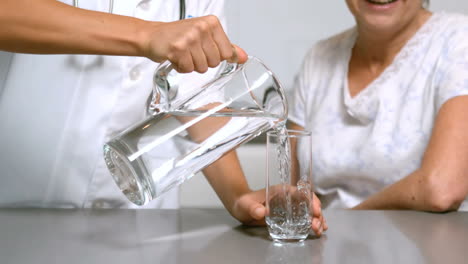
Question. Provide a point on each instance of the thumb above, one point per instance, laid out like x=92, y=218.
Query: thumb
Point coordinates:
x=257, y=211
x=240, y=54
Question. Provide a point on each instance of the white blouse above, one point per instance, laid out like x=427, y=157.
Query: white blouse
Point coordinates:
x=362, y=144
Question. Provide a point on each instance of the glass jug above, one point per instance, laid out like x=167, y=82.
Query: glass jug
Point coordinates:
x=189, y=127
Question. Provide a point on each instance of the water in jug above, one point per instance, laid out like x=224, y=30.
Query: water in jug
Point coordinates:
x=188, y=127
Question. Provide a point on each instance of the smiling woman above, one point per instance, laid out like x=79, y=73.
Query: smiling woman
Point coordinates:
x=387, y=104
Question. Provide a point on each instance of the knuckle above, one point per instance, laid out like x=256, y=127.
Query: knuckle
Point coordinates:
x=227, y=54
x=202, y=69
x=185, y=67
x=191, y=39
x=201, y=65
x=213, y=63
x=212, y=20
x=171, y=57
x=176, y=47
x=189, y=68
x=203, y=26
x=213, y=60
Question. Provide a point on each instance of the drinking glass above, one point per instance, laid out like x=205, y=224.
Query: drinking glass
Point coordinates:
x=289, y=186
x=192, y=125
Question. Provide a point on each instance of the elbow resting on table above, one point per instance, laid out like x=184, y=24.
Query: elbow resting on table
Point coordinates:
x=443, y=194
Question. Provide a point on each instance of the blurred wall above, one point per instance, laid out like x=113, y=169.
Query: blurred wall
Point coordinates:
x=280, y=32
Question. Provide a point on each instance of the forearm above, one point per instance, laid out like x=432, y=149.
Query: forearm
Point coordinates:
x=49, y=26
x=441, y=184
x=414, y=192
x=403, y=194
x=227, y=179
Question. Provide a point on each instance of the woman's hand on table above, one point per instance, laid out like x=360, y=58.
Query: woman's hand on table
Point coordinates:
x=250, y=209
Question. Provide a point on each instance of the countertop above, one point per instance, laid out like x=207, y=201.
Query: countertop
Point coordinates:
x=212, y=236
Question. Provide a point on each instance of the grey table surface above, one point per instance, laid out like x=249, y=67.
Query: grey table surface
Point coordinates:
x=213, y=236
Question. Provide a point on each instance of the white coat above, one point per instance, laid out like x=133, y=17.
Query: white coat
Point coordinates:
x=56, y=112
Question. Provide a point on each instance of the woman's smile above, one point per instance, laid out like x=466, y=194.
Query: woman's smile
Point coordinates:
x=381, y=2
x=377, y=17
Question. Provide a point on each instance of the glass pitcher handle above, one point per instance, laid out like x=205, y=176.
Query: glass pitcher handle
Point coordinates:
x=158, y=100
x=163, y=91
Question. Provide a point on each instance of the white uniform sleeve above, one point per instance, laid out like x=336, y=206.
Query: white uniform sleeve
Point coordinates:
x=298, y=101
x=453, y=70
x=216, y=7
x=207, y=7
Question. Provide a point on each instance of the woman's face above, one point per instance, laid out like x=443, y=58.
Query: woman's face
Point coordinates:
x=384, y=15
